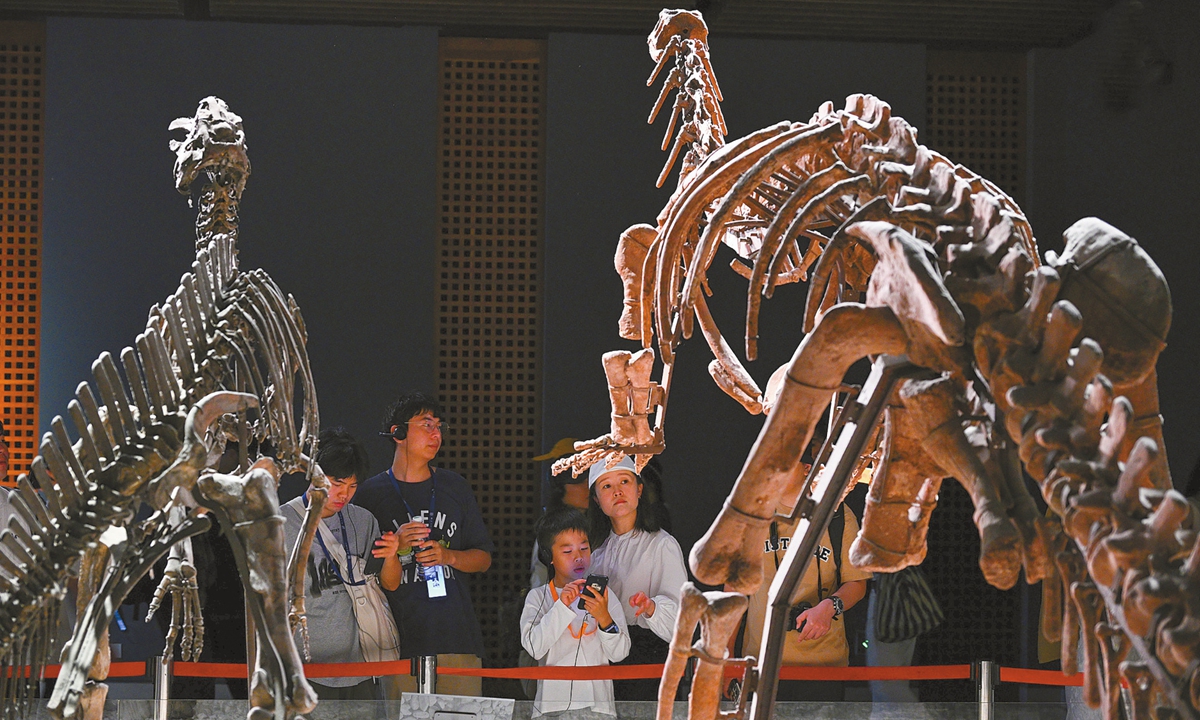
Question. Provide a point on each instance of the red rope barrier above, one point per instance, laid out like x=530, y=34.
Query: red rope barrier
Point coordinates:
x=231, y=671
x=635, y=672
x=1040, y=677
x=602, y=672
x=115, y=670
x=926, y=672
x=403, y=667
x=553, y=672
x=363, y=669
x=598, y=672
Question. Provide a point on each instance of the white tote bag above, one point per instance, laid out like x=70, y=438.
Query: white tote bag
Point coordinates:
x=376, y=628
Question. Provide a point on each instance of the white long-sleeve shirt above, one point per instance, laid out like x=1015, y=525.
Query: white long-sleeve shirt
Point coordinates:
x=557, y=635
x=651, y=563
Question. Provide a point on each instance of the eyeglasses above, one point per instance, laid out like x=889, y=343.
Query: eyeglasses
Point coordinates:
x=430, y=426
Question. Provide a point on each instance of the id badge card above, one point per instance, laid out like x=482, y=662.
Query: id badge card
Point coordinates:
x=435, y=581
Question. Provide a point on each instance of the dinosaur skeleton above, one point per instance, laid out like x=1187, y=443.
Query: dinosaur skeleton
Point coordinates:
x=1016, y=365
x=223, y=358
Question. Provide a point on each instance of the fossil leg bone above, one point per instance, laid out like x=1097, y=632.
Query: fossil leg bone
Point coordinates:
x=248, y=509
x=179, y=584
x=131, y=562
x=318, y=495
x=936, y=404
x=718, y=615
x=91, y=571
x=900, y=499
x=731, y=551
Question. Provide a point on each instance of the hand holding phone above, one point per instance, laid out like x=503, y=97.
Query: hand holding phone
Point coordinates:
x=594, y=586
x=595, y=603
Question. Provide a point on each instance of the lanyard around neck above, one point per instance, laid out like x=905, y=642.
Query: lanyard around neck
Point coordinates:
x=345, y=546
x=432, y=496
x=582, y=626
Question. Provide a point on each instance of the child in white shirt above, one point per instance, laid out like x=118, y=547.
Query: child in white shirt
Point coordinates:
x=555, y=631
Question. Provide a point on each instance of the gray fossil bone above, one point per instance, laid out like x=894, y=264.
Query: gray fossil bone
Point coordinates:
x=221, y=360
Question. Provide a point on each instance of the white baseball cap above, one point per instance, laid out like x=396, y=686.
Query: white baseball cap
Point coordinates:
x=599, y=468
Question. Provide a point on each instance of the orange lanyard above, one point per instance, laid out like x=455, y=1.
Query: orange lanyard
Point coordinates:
x=583, y=627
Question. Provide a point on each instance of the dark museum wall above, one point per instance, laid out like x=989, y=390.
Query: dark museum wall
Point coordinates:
x=339, y=122
x=603, y=161
x=1135, y=168
x=340, y=135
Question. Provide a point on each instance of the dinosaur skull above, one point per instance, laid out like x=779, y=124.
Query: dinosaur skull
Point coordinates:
x=214, y=137
x=681, y=24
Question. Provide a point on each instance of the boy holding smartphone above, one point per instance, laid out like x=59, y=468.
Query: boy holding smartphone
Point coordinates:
x=573, y=620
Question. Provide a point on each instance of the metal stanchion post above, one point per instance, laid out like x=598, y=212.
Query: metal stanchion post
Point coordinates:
x=161, y=667
x=251, y=646
x=986, y=676
x=426, y=674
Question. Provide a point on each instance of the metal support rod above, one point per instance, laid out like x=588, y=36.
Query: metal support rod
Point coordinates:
x=823, y=491
x=161, y=667
x=986, y=677
x=427, y=674
x=251, y=646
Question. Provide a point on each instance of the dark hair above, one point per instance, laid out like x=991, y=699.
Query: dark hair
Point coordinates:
x=646, y=520
x=341, y=456
x=405, y=408
x=653, y=494
x=551, y=525
x=558, y=490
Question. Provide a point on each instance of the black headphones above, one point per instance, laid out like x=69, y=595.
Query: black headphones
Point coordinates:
x=546, y=557
x=399, y=433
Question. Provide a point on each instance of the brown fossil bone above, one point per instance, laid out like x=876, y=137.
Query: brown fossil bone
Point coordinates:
x=900, y=499
x=1113, y=649
x=682, y=35
x=938, y=406
x=1129, y=533
x=92, y=567
x=1141, y=687
x=1089, y=606
x=718, y=615
x=633, y=397
x=630, y=391
x=629, y=261
x=318, y=495
x=179, y=585
x=1123, y=297
x=1052, y=609
x=730, y=553
x=907, y=252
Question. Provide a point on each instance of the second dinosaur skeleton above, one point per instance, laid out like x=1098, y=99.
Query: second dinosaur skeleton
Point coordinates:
x=1047, y=367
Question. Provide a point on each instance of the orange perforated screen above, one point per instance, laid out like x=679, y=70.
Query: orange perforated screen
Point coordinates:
x=22, y=88
x=490, y=189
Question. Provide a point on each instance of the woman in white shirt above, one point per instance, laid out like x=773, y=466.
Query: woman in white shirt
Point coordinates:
x=643, y=562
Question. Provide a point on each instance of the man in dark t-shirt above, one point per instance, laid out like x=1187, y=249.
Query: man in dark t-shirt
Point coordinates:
x=442, y=538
